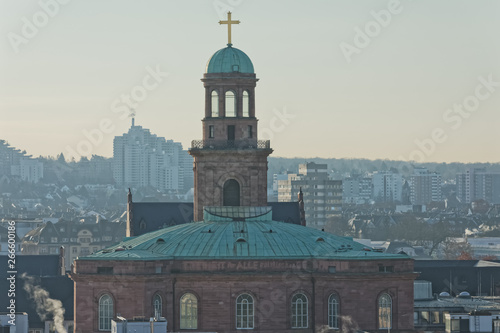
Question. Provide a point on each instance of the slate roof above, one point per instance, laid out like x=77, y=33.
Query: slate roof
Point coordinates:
x=151, y=216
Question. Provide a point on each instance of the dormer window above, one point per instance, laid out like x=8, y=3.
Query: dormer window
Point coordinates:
x=230, y=104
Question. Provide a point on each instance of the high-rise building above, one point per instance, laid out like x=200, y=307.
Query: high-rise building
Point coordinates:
x=16, y=163
x=356, y=189
x=322, y=195
x=144, y=159
x=387, y=186
x=425, y=186
x=477, y=184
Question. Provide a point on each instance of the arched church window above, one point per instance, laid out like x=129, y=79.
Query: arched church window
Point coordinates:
x=231, y=193
x=299, y=311
x=230, y=104
x=189, y=311
x=105, y=312
x=215, y=103
x=244, y=311
x=333, y=311
x=157, y=306
x=385, y=311
x=246, y=104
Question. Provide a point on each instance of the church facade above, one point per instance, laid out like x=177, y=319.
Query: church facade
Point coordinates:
x=236, y=268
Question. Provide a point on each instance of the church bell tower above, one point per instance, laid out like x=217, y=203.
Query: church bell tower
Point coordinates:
x=230, y=163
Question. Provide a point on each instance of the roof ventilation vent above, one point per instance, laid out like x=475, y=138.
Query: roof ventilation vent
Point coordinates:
x=241, y=240
x=320, y=239
x=160, y=241
x=444, y=294
x=464, y=294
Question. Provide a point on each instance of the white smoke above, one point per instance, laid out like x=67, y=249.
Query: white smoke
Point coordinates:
x=44, y=304
x=347, y=325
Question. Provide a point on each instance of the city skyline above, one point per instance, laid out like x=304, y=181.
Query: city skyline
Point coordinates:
x=389, y=80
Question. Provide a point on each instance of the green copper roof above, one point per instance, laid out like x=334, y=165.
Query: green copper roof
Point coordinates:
x=229, y=60
x=237, y=240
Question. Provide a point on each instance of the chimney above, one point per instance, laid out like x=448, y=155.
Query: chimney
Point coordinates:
x=62, y=262
x=129, y=232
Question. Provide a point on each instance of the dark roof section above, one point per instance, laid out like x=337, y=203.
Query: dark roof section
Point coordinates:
x=151, y=216
x=59, y=287
x=288, y=212
x=35, y=265
x=444, y=263
x=473, y=276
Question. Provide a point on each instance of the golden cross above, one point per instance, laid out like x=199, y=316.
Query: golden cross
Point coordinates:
x=229, y=22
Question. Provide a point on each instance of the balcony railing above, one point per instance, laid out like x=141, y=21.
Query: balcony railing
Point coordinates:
x=230, y=144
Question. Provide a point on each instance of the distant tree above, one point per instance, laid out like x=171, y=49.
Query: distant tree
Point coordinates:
x=339, y=226
x=61, y=159
x=455, y=250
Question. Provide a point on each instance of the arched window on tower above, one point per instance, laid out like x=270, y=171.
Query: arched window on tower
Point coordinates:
x=231, y=193
x=215, y=103
x=157, y=306
x=246, y=104
x=105, y=312
x=230, y=104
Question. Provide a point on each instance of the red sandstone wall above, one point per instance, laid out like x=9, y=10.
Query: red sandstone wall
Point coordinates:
x=133, y=292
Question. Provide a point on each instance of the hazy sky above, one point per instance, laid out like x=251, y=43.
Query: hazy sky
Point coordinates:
x=362, y=79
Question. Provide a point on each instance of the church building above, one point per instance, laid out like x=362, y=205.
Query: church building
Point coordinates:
x=236, y=268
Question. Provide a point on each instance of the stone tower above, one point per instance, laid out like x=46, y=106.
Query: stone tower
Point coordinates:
x=230, y=163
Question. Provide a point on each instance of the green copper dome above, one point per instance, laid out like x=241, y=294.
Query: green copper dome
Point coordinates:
x=229, y=60
x=251, y=235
